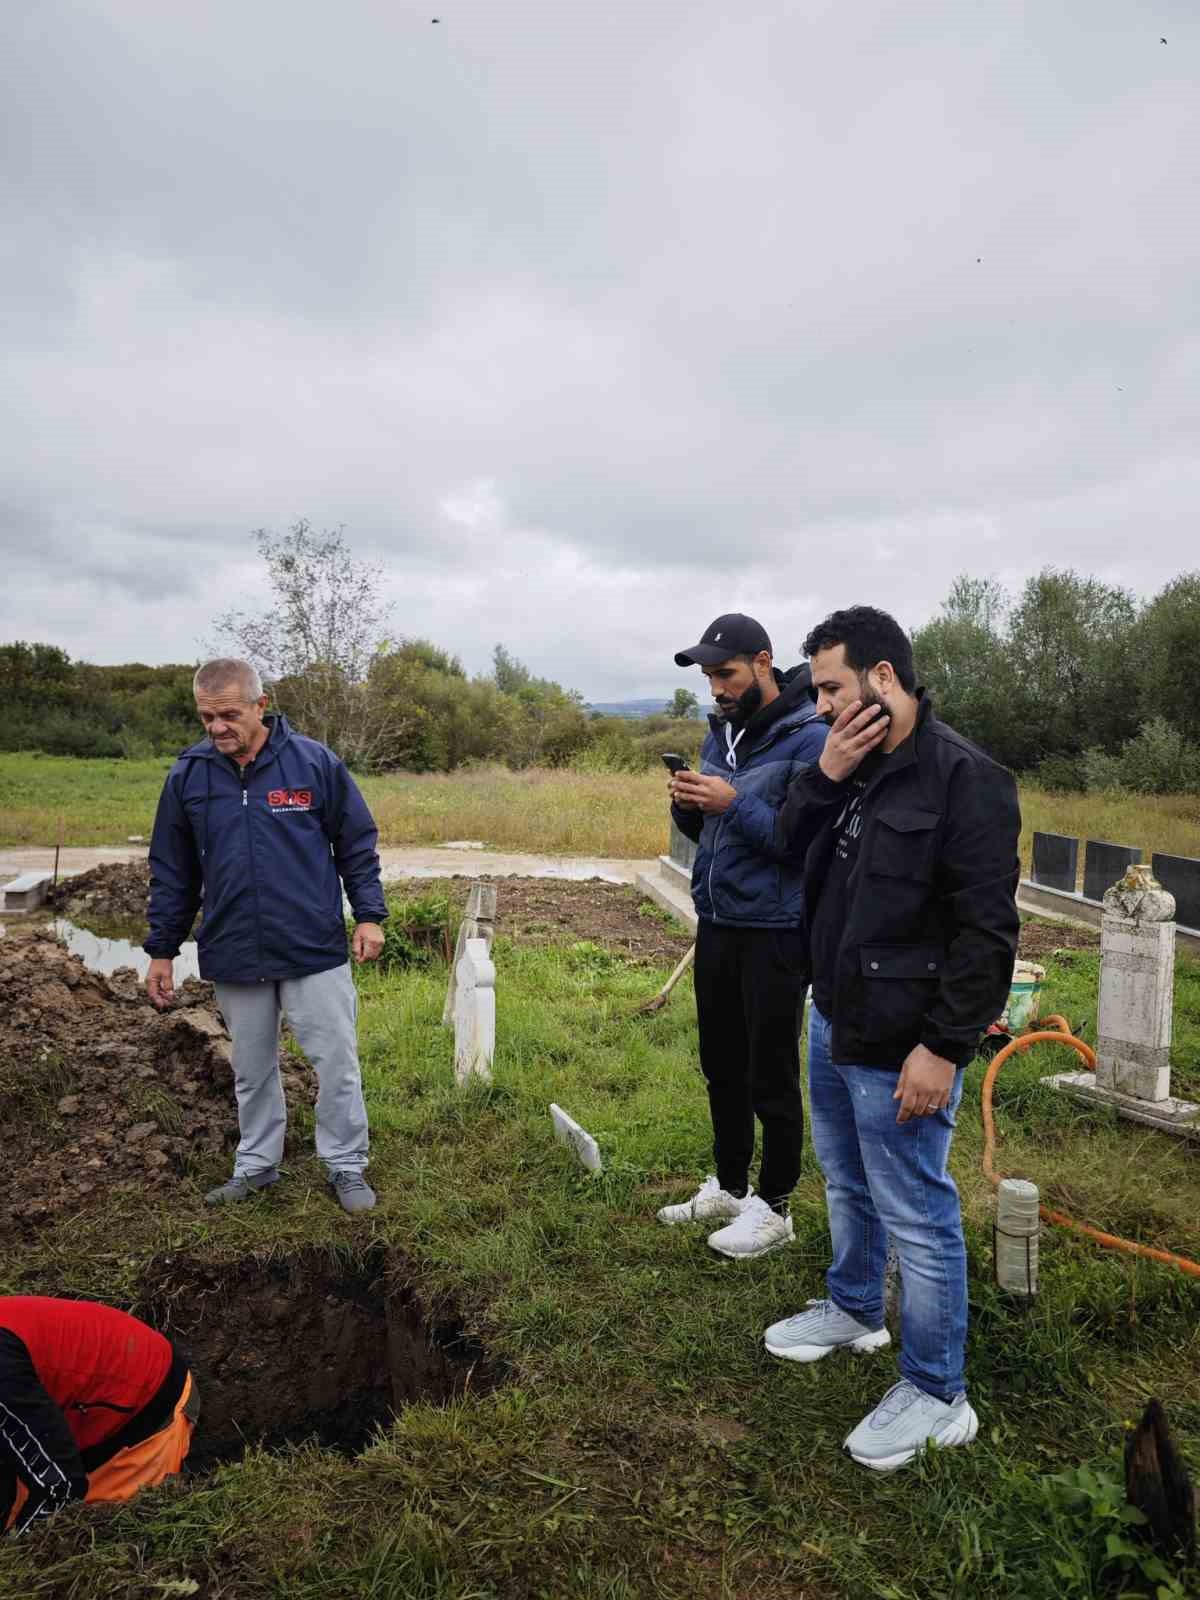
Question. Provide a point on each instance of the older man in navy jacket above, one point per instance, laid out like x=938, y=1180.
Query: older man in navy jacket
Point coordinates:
x=751, y=951
x=268, y=825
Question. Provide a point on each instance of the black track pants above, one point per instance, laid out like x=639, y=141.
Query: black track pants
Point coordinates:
x=750, y=985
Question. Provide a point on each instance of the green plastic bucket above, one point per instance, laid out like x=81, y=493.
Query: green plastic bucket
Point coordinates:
x=1024, y=998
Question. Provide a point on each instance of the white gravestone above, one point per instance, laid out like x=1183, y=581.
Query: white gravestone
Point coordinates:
x=479, y=922
x=474, y=1014
x=567, y=1131
x=1137, y=980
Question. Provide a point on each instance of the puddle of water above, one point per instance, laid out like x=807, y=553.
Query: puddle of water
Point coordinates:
x=106, y=955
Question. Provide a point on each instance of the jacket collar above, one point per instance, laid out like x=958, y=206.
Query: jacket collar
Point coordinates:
x=907, y=754
x=278, y=735
x=791, y=708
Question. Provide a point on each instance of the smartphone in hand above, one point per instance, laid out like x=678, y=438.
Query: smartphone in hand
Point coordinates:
x=674, y=763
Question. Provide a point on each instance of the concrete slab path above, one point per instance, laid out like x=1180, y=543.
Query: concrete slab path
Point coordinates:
x=416, y=862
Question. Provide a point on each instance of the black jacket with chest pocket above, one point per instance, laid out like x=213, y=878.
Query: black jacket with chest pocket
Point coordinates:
x=926, y=953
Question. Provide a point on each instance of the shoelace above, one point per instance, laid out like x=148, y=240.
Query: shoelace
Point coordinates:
x=349, y=1180
x=895, y=1402
x=825, y=1305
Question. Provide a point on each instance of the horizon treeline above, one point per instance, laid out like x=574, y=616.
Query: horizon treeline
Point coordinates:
x=1073, y=682
x=423, y=713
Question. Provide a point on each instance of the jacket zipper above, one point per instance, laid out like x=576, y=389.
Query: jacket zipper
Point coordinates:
x=99, y=1405
x=773, y=732
x=253, y=874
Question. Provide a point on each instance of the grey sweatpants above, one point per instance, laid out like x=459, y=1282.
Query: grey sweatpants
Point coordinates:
x=322, y=1011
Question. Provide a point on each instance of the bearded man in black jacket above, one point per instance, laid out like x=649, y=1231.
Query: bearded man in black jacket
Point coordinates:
x=909, y=834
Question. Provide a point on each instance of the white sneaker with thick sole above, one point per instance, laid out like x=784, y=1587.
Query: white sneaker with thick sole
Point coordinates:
x=755, y=1231
x=823, y=1327
x=905, y=1422
x=708, y=1204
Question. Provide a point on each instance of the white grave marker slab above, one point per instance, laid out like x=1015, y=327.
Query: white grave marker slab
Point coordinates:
x=567, y=1131
x=479, y=922
x=474, y=1014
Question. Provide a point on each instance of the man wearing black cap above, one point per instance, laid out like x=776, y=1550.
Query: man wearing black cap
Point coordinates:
x=751, y=962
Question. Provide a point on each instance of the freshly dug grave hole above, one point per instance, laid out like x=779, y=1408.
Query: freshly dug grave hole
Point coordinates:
x=307, y=1347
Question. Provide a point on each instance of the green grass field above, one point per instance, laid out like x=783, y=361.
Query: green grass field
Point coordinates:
x=554, y=812
x=646, y=1446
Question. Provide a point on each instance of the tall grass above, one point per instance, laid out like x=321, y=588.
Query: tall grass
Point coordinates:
x=1168, y=823
x=557, y=812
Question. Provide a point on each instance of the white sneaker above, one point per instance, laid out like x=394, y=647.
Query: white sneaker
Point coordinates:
x=708, y=1203
x=905, y=1422
x=753, y=1232
x=820, y=1328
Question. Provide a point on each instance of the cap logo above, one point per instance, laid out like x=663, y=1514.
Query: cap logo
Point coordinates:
x=716, y=638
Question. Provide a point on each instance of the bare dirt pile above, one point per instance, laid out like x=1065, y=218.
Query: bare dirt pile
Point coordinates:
x=557, y=910
x=109, y=1095
x=114, y=893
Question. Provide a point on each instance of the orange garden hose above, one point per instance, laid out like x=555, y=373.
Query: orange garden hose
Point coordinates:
x=1061, y=1034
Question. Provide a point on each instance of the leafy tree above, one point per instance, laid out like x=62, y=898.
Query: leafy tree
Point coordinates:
x=683, y=704
x=1166, y=655
x=963, y=658
x=316, y=642
x=1072, y=642
x=510, y=675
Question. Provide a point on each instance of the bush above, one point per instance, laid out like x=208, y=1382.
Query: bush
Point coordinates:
x=417, y=931
x=1103, y=773
x=1061, y=775
x=1159, y=760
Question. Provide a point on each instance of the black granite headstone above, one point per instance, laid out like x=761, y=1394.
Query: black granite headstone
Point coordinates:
x=683, y=851
x=1104, y=865
x=1181, y=875
x=1055, y=861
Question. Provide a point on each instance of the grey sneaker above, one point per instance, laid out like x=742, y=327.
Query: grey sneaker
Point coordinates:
x=811, y=1334
x=353, y=1191
x=240, y=1188
x=710, y=1202
x=904, y=1422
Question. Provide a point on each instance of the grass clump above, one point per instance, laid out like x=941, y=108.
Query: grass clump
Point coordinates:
x=418, y=930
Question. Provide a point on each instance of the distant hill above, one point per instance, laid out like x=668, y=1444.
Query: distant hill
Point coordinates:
x=629, y=708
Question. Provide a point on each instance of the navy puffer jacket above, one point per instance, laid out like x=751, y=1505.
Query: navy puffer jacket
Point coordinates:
x=268, y=844
x=741, y=878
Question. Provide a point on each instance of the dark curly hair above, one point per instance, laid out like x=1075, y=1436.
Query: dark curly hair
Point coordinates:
x=869, y=636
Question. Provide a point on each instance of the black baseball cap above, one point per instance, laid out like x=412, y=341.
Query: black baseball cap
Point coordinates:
x=730, y=635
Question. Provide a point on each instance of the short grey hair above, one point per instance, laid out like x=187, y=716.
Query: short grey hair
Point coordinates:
x=219, y=673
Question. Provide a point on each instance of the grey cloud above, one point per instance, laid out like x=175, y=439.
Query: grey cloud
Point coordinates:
x=716, y=304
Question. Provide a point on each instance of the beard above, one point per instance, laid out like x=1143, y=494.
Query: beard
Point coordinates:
x=867, y=697
x=744, y=707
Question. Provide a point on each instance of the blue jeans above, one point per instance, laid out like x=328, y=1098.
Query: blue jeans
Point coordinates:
x=887, y=1178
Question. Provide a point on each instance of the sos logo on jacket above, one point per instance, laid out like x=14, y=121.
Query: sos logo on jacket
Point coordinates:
x=284, y=800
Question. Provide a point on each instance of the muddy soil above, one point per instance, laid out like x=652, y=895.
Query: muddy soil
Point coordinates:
x=110, y=1095
x=111, y=896
x=309, y=1346
x=534, y=910
x=557, y=911
x=1039, y=940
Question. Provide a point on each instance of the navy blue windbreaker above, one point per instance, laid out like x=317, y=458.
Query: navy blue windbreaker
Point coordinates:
x=741, y=877
x=267, y=844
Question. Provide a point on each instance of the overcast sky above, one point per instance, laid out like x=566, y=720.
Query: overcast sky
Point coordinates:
x=592, y=321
